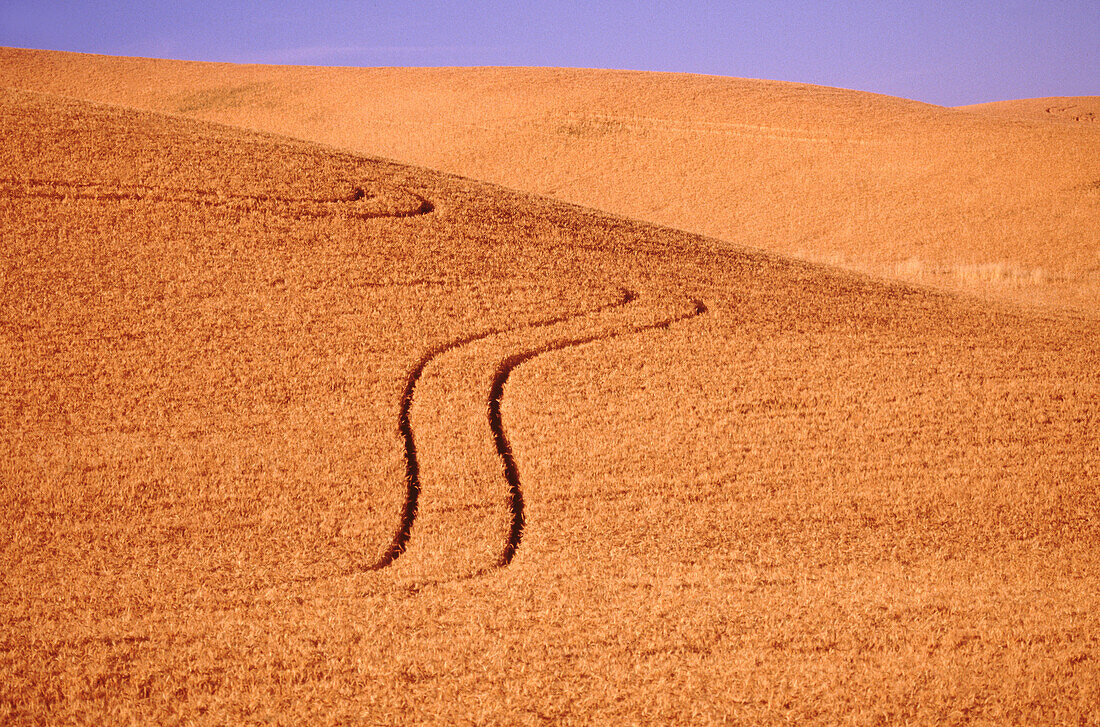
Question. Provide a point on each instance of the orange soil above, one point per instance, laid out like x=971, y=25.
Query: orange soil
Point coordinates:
x=1004, y=208
x=751, y=489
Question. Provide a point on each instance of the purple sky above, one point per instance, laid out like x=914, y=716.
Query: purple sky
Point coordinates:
x=942, y=52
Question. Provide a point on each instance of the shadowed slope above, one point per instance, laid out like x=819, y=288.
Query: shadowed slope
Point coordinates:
x=999, y=207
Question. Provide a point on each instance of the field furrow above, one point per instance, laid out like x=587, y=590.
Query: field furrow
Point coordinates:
x=356, y=203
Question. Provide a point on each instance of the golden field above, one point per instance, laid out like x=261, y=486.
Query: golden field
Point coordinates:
x=296, y=434
x=995, y=201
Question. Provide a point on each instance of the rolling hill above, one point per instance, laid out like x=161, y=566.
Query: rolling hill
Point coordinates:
x=1067, y=109
x=1007, y=208
x=295, y=434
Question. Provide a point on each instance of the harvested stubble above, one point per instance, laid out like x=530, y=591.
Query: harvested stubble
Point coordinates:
x=1003, y=203
x=825, y=498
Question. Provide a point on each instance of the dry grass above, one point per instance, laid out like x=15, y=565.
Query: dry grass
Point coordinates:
x=868, y=182
x=822, y=499
x=1068, y=109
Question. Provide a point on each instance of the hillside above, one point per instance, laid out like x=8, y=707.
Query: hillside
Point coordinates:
x=295, y=435
x=1067, y=109
x=1003, y=208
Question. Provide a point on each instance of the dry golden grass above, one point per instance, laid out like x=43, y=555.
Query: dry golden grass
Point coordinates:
x=816, y=497
x=1003, y=208
x=1068, y=109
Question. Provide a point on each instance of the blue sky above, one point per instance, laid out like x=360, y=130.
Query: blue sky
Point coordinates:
x=941, y=52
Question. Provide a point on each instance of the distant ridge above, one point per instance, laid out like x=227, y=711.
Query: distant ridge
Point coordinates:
x=1070, y=109
x=1004, y=208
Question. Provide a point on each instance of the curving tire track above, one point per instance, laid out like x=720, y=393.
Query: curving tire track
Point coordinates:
x=404, y=425
x=500, y=439
x=358, y=203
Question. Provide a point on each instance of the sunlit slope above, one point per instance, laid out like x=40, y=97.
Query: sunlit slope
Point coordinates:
x=747, y=487
x=1067, y=109
x=1007, y=208
x=225, y=321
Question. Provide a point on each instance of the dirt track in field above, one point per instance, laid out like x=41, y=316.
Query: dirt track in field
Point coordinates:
x=514, y=500
x=500, y=439
x=404, y=426
x=357, y=203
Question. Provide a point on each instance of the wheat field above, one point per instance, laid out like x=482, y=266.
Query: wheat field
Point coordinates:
x=298, y=431
x=999, y=201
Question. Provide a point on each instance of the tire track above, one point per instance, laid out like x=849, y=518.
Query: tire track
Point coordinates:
x=358, y=203
x=500, y=439
x=404, y=425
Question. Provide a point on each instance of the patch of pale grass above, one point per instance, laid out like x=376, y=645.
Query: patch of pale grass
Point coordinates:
x=1001, y=272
